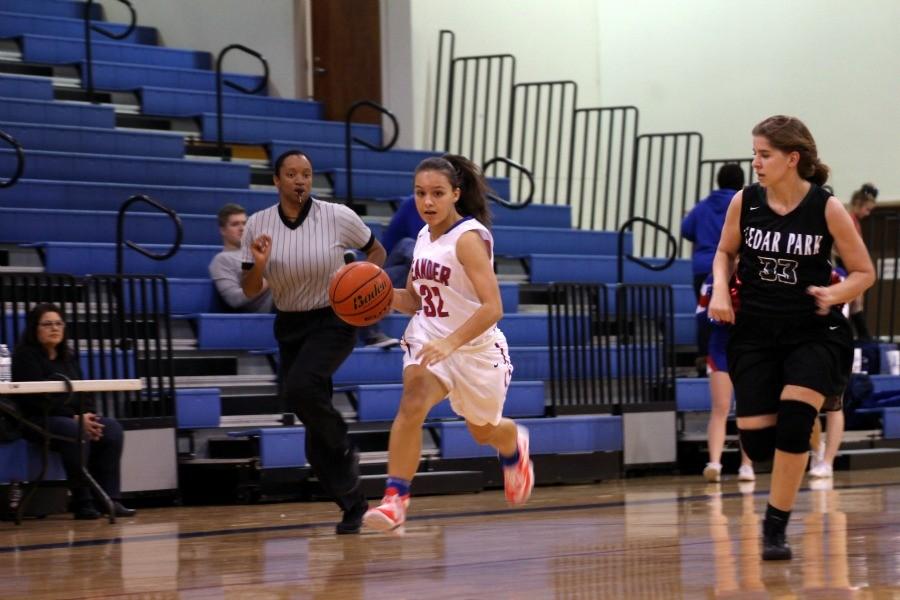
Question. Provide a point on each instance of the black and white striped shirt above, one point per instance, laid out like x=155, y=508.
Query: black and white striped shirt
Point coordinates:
x=306, y=252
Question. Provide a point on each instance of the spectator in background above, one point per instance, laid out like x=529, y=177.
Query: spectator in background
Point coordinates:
x=720, y=389
x=703, y=226
x=861, y=204
x=41, y=354
x=399, y=240
x=225, y=268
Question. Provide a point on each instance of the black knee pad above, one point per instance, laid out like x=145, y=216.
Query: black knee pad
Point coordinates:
x=795, y=425
x=758, y=444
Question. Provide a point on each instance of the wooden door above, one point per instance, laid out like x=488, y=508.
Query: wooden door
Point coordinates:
x=346, y=56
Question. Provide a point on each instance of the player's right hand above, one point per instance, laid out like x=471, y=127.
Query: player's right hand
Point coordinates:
x=720, y=309
x=262, y=249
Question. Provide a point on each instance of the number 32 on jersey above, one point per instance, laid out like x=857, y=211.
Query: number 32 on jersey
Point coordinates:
x=432, y=303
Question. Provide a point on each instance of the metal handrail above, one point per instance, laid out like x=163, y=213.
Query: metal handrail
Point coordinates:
x=88, y=27
x=673, y=246
x=528, y=175
x=20, y=155
x=349, y=139
x=220, y=145
x=120, y=232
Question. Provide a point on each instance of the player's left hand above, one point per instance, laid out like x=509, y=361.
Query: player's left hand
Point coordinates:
x=824, y=298
x=434, y=352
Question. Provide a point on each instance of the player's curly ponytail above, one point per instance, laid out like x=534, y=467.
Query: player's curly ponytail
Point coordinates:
x=462, y=173
x=789, y=134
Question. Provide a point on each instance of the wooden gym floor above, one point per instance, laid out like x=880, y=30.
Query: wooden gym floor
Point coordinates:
x=655, y=537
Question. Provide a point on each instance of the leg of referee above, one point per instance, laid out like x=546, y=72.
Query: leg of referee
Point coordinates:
x=313, y=345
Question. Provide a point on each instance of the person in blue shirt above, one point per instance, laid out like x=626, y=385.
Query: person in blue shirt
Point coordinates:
x=399, y=240
x=703, y=226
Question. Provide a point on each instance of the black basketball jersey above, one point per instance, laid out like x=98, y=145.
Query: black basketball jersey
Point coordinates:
x=780, y=256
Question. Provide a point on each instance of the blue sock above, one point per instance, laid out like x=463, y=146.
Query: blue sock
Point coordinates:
x=510, y=461
x=401, y=485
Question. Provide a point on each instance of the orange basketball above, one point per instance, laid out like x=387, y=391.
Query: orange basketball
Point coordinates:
x=361, y=293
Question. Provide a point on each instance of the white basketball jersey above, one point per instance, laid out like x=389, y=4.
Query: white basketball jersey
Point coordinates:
x=448, y=296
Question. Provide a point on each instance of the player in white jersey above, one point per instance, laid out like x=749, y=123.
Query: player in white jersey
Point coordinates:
x=452, y=344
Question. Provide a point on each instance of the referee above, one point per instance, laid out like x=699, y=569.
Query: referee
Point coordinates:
x=296, y=246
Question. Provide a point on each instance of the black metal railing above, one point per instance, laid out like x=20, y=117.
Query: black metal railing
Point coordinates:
x=118, y=326
x=220, y=135
x=349, y=138
x=581, y=354
x=645, y=344
x=664, y=173
x=88, y=50
x=622, y=256
x=121, y=242
x=599, y=186
x=440, y=113
x=709, y=168
x=526, y=172
x=478, y=99
x=128, y=335
x=541, y=119
x=20, y=291
x=882, y=301
x=20, y=160
x=606, y=356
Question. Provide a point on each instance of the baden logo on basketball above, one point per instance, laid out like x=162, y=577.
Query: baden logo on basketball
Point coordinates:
x=362, y=300
x=361, y=293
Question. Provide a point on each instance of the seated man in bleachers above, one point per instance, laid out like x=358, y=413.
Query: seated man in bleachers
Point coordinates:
x=225, y=268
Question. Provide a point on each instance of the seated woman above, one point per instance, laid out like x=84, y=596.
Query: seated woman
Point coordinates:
x=41, y=353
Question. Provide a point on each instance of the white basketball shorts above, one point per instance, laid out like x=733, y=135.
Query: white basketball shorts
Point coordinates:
x=477, y=376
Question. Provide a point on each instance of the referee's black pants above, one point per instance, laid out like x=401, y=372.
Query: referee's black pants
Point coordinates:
x=313, y=344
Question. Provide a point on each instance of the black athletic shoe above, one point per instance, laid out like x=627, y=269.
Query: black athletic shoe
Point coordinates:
x=774, y=543
x=352, y=520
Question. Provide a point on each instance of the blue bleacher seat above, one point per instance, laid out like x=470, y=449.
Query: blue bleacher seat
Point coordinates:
x=262, y=130
x=171, y=102
x=131, y=169
x=129, y=77
x=589, y=433
x=21, y=461
x=326, y=157
x=546, y=268
x=53, y=8
x=89, y=195
x=19, y=110
x=378, y=184
x=380, y=402
x=60, y=50
x=197, y=408
x=533, y=215
x=25, y=88
x=13, y=24
x=279, y=447
x=82, y=259
x=92, y=140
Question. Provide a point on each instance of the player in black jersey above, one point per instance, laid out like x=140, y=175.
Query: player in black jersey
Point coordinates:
x=790, y=348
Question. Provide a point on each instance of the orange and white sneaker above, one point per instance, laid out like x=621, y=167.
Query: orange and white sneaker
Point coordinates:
x=518, y=480
x=390, y=514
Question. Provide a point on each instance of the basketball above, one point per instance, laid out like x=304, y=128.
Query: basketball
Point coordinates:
x=361, y=293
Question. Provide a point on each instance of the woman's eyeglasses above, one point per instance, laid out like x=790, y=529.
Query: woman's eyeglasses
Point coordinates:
x=52, y=324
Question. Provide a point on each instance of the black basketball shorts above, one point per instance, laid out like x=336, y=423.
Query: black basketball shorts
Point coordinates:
x=765, y=354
